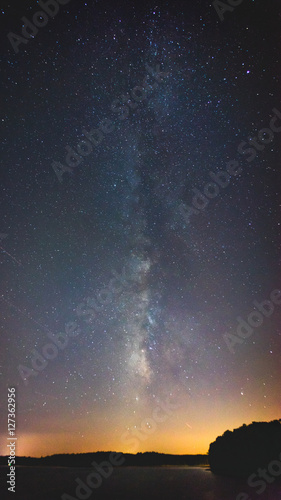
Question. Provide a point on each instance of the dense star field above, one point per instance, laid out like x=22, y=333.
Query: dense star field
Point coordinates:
x=140, y=223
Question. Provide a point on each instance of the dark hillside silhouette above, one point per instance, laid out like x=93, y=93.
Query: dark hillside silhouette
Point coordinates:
x=242, y=451
x=85, y=459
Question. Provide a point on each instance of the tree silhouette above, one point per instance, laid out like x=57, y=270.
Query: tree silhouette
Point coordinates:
x=242, y=451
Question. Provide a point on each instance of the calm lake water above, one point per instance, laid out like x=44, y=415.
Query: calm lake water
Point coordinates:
x=133, y=483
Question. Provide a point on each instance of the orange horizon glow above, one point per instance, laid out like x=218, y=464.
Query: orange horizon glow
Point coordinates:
x=179, y=436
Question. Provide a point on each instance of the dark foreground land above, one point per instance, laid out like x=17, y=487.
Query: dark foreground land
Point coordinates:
x=248, y=449
x=148, y=458
x=132, y=483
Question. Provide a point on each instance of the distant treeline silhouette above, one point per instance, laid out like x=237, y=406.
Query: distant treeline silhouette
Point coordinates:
x=242, y=451
x=85, y=459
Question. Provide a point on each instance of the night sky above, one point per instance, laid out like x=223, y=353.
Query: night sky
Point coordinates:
x=117, y=249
